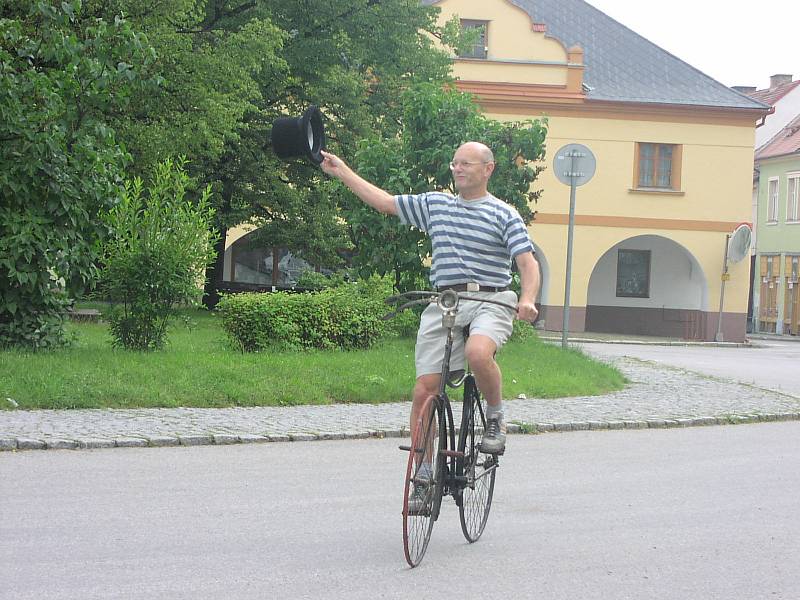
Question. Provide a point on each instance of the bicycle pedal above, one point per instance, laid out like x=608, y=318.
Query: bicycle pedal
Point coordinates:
x=452, y=453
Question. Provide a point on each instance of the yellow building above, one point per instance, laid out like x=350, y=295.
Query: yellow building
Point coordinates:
x=674, y=152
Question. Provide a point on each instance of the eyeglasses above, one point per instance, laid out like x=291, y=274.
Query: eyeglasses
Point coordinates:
x=466, y=163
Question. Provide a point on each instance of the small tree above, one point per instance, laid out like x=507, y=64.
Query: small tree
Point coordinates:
x=155, y=257
x=436, y=122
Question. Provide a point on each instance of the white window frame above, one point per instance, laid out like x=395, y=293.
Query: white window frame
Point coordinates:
x=773, y=191
x=793, y=197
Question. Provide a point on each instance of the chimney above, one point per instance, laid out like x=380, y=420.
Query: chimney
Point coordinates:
x=779, y=79
x=744, y=89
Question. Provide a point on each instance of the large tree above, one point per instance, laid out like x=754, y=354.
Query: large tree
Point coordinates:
x=60, y=164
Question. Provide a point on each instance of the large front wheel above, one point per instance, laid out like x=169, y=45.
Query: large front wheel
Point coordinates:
x=422, y=495
x=477, y=471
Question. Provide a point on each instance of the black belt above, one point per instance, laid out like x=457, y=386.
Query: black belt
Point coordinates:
x=471, y=287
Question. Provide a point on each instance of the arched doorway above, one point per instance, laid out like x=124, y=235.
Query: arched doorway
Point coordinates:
x=544, y=287
x=648, y=285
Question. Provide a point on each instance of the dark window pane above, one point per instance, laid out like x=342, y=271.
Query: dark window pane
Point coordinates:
x=633, y=273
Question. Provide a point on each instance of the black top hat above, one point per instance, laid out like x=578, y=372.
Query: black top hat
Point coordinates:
x=300, y=136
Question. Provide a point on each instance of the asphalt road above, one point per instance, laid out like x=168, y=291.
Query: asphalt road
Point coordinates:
x=703, y=512
x=770, y=365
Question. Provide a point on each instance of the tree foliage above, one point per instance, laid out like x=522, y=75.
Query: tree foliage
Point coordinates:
x=60, y=164
x=232, y=66
x=436, y=122
x=156, y=255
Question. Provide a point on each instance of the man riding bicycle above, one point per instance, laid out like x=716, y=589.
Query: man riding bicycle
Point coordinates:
x=474, y=236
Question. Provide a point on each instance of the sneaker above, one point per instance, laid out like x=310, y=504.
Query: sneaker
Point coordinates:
x=494, y=438
x=418, y=499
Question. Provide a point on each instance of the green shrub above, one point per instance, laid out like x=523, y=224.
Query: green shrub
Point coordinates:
x=311, y=280
x=155, y=257
x=347, y=316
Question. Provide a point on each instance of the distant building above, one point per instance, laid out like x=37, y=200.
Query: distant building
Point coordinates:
x=776, y=294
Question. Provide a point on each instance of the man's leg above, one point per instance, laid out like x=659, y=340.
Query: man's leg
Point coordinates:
x=426, y=385
x=480, y=351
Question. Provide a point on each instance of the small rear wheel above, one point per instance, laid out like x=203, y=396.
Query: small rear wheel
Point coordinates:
x=477, y=470
x=422, y=494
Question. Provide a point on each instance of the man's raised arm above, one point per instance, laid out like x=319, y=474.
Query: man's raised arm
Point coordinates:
x=377, y=198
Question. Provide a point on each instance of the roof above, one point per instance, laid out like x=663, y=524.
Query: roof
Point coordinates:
x=622, y=66
x=785, y=142
x=772, y=95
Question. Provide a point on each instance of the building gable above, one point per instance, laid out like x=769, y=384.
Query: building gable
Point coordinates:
x=620, y=65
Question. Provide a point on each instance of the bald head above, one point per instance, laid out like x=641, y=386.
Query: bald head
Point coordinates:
x=482, y=150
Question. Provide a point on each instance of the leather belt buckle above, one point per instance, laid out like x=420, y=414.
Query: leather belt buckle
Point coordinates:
x=473, y=287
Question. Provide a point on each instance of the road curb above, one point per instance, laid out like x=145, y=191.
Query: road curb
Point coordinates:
x=13, y=444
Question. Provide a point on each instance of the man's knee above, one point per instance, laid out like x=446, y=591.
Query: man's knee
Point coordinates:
x=426, y=385
x=480, y=350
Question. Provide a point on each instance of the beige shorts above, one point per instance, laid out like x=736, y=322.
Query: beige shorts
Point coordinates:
x=491, y=320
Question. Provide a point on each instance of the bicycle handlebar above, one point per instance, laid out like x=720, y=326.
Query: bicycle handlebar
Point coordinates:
x=416, y=297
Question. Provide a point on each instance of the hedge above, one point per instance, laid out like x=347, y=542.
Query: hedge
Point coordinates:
x=348, y=316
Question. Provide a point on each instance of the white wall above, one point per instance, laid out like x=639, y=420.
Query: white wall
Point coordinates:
x=786, y=109
x=676, y=278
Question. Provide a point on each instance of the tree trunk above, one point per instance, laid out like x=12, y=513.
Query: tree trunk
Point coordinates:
x=216, y=272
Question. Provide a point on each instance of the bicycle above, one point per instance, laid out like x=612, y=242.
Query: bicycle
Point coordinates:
x=461, y=471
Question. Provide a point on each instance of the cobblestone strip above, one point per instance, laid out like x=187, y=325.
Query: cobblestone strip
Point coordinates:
x=657, y=396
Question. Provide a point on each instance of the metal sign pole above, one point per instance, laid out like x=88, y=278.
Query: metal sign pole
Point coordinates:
x=581, y=169
x=570, y=231
x=724, y=278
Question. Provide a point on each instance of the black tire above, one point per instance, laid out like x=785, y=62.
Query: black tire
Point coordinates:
x=477, y=471
x=428, y=441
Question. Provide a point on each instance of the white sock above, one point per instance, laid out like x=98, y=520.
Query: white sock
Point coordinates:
x=495, y=412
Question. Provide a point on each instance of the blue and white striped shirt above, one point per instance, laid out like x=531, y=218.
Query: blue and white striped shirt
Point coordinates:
x=473, y=241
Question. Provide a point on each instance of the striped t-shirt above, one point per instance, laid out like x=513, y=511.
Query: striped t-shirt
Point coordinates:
x=473, y=241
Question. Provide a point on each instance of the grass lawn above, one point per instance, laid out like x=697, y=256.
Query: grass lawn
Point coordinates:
x=200, y=369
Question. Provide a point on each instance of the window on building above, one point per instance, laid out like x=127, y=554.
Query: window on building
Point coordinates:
x=633, y=273
x=480, y=48
x=658, y=166
x=792, y=196
x=772, y=201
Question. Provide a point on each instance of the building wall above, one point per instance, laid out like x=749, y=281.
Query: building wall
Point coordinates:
x=775, y=292
x=509, y=34
x=714, y=197
x=780, y=236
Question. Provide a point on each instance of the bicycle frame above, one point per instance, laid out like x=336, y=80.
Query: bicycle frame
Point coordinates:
x=459, y=468
x=455, y=478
